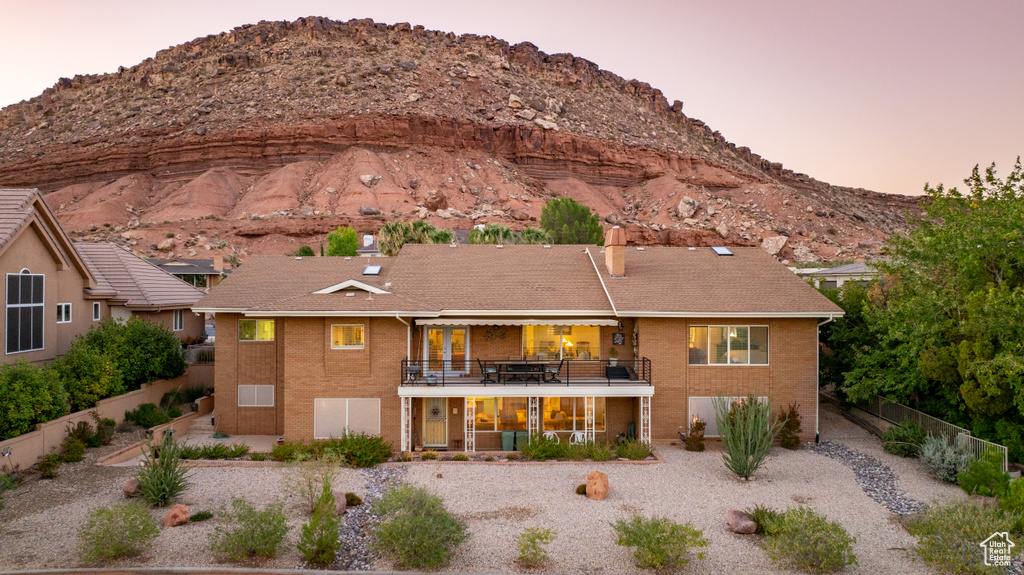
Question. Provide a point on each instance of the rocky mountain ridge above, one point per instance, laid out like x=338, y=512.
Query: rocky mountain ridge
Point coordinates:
x=266, y=137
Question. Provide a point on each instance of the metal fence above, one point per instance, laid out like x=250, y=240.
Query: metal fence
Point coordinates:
x=199, y=354
x=898, y=413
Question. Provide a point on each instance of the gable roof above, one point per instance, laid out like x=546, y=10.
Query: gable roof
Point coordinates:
x=138, y=283
x=188, y=266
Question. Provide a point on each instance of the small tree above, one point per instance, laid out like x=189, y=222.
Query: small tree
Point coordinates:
x=320, y=541
x=569, y=222
x=88, y=375
x=342, y=242
x=305, y=252
x=747, y=432
x=789, y=434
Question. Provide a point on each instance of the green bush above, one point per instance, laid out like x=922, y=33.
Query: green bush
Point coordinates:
x=985, y=476
x=767, y=519
x=532, y=546
x=904, y=440
x=174, y=412
x=320, y=540
x=460, y=457
x=541, y=448
x=944, y=460
x=352, y=500
x=789, y=432
x=48, y=465
x=747, y=432
x=119, y=531
x=161, y=476
x=660, y=543
x=581, y=489
x=29, y=395
x=88, y=375
x=199, y=516
x=214, y=451
x=416, y=532
x=147, y=415
x=354, y=450
x=512, y=457
x=804, y=539
x=260, y=456
x=249, y=533
x=192, y=393
x=143, y=351
x=72, y=450
x=948, y=535
x=695, y=437
x=568, y=222
x=633, y=449
x=428, y=455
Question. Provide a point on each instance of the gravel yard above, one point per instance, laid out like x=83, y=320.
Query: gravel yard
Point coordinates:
x=39, y=524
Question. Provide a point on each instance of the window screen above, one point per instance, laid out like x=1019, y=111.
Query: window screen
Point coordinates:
x=347, y=336
x=255, y=396
x=25, y=295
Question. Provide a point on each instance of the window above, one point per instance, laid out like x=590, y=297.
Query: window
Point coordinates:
x=25, y=295
x=704, y=408
x=570, y=413
x=500, y=414
x=729, y=345
x=334, y=417
x=178, y=319
x=96, y=311
x=63, y=313
x=255, y=330
x=562, y=342
x=559, y=413
x=255, y=396
x=347, y=336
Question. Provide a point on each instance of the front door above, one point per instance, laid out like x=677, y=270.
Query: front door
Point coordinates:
x=435, y=422
x=447, y=350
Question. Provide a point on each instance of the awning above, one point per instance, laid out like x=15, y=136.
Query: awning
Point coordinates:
x=504, y=321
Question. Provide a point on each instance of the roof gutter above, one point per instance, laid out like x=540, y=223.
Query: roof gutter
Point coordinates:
x=601, y=279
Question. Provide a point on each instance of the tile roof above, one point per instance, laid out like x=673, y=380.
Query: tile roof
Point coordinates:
x=137, y=282
x=555, y=280
x=15, y=211
x=187, y=266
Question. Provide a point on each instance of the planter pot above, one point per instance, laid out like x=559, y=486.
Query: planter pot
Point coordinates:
x=280, y=441
x=613, y=361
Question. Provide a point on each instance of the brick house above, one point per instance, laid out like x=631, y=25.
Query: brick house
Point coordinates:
x=447, y=347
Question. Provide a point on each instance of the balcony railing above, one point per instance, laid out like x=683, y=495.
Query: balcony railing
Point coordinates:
x=547, y=373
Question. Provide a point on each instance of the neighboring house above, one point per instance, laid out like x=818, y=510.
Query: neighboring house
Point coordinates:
x=834, y=278
x=51, y=297
x=143, y=289
x=203, y=274
x=369, y=248
x=447, y=347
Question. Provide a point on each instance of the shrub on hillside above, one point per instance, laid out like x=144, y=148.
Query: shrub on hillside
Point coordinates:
x=417, y=532
x=320, y=540
x=803, y=539
x=747, y=432
x=985, y=476
x=660, y=543
x=142, y=350
x=119, y=531
x=88, y=375
x=28, y=395
x=249, y=533
x=948, y=534
x=161, y=476
x=944, y=460
x=904, y=440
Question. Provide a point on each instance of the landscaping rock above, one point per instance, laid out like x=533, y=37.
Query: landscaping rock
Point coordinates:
x=740, y=523
x=131, y=488
x=597, y=486
x=177, y=515
x=339, y=502
x=368, y=211
x=876, y=479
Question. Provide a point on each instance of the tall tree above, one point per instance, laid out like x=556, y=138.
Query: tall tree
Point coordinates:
x=392, y=236
x=342, y=242
x=569, y=222
x=531, y=235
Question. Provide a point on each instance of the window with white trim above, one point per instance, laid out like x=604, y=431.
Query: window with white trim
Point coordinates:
x=334, y=417
x=347, y=336
x=178, y=320
x=96, y=311
x=255, y=396
x=63, y=313
x=703, y=408
x=255, y=330
x=728, y=345
x=25, y=301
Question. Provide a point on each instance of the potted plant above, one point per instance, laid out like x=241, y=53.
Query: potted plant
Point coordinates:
x=613, y=356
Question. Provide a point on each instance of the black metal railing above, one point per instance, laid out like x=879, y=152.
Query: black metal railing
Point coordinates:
x=505, y=372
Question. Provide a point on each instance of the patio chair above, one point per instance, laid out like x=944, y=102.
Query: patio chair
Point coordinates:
x=551, y=372
x=487, y=372
x=577, y=438
x=551, y=436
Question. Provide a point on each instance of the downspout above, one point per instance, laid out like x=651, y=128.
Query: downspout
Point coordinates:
x=408, y=337
x=817, y=380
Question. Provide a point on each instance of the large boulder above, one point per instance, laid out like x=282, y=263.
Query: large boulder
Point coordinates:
x=597, y=486
x=774, y=244
x=368, y=211
x=339, y=502
x=687, y=207
x=177, y=515
x=131, y=488
x=370, y=180
x=435, y=200
x=740, y=523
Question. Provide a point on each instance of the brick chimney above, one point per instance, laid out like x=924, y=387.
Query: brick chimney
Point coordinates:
x=218, y=262
x=615, y=251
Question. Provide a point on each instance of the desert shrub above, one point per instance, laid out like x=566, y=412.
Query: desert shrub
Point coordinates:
x=695, y=437
x=512, y=456
x=789, y=432
x=7, y=483
x=29, y=395
x=104, y=433
x=192, y=393
x=72, y=450
x=428, y=455
x=806, y=540
x=747, y=432
x=291, y=451
x=944, y=460
x=88, y=375
x=161, y=476
x=985, y=476
x=248, y=532
x=259, y=456
x=305, y=480
x=143, y=351
x=214, y=451
x=948, y=534
x=353, y=500
x=417, y=532
x=633, y=449
x=320, y=540
x=48, y=465
x=541, y=448
x=660, y=543
x=119, y=531
x=766, y=519
x=147, y=415
x=904, y=440
x=532, y=546
x=460, y=457
x=489, y=458
x=174, y=412
x=581, y=489
x=199, y=516
x=354, y=450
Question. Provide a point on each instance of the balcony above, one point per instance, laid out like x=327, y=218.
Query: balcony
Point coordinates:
x=525, y=373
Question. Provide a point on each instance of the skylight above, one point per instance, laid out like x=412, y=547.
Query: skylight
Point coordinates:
x=371, y=271
x=722, y=251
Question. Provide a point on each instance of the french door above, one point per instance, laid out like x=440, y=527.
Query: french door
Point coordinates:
x=447, y=350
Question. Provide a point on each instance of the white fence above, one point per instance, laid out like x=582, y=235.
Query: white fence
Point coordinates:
x=898, y=413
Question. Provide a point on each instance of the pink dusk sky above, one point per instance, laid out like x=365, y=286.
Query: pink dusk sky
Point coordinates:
x=880, y=94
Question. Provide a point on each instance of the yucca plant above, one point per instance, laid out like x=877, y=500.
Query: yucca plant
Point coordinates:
x=162, y=477
x=747, y=430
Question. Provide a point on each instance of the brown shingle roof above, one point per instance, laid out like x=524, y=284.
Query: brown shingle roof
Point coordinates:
x=137, y=282
x=15, y=211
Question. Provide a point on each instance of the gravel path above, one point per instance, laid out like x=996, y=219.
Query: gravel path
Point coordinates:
x=355, y=553
x=877, y=480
